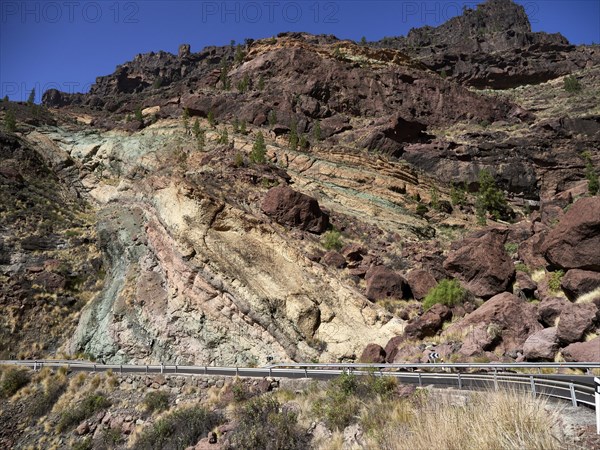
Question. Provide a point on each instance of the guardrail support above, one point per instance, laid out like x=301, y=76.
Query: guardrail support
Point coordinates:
x=270, y=372
x=597, y=398
x=305, y=372
x=573, y=397
x=495, y=379
x=121, y=368
x=205, y=371
x=175, y=368
x=420, y=382
x=146, y=369
x=237, y=372
x=459, y=381
x=162, y=368
x=35, y=366
x=532, y=381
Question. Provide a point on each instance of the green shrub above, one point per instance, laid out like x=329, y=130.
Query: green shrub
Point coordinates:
x=332, y=240
x=259, y=149
x=84, y=444
x=511, y=247
x=489, y=198
x=138, y=114
x=422, y=209
x=458, y=194
x=262, y=424
x=156, y=401
x=10, y=123
x=571, y=84
x=554, y=280
x=223, y=137
x=179, y=429
x=447, y=292
x=90, y=405
x=12, y=380
x=211, y=119
x=337, y=409
x=317, y=131
x=590, y=174
x=272, y=118
x=521, y=267
x=42, y=404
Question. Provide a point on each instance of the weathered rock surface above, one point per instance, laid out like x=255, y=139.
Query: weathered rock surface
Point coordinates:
x=481, y=263
x=575, y=321
x=541, y=346
x=295, y=209
x=384, y=283
x=506, y=320
x=429, y=323
x=574, y=242
x=550, y=309
x=373, y=353
x=420, y=283
x=579, y=282
x=583, y=351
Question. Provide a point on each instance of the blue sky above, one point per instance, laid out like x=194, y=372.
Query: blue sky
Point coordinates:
x=67, y=44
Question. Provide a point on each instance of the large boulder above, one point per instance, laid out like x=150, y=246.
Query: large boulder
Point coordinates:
x=373, y=353
x=391, y=348
x=482, y=264
x=420, y=282
x=550, y=309
x=577, y=282
x=574, y=242
x=507, y=319
x=575, y=321
x=583, y=351
x=429, y=323
x=541, y=346
x=288, y=207
x=383, y=282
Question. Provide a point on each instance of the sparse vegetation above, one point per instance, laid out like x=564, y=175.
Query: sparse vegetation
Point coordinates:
x=317, y=130
x=332, y=240
x=458, y=194
x=263, y=424
x=88, y=406
x=10, y=123
x=12, y=380
x=211, y=119
x=31, y=98
x=490, y=199
x=571, y=84
x=259, y=149
x=156, y=401
x=590, y=174
x=179, y=429
x=138, y=114
x=554, y=280
x=447, y=292
x=272, y=118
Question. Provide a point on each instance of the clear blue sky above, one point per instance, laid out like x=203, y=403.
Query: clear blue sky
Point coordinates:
x=66, y=44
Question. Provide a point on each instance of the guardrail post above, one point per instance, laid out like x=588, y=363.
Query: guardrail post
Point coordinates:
x=495, y=379
x=94, y=367
x=573, y=397
x=205, y=371
x=146, y=369
x=175, y=368
x=121, y=368
x=270, y=372
x=162, y=367
x=459, y=381
x=420, y=382
x=532, y=381
x=597, y=398
x=237, y=371
x=305, y=372
x=35, y=366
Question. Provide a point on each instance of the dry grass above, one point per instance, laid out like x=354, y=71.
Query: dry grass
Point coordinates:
x=589, y=297
x=500, y=420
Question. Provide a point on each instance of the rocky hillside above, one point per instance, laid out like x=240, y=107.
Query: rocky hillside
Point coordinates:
x=312, y=199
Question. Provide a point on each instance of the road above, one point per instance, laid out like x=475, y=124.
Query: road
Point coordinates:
x=578, y=389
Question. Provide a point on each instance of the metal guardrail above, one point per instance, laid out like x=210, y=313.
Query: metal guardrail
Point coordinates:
x=578, y=389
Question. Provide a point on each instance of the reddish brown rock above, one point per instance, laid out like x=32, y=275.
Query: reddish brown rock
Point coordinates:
x=530, y=251
x=477, y=340
x=575, y=321
x=482, y=264
x=429, y=323
x=353, y=252
x=373, y=353
x=50, y=281
x=525, y=284
x=420, y=283
x=384, y=283
x=583, y=351
x=288, y=207
x=334, y=259
x=577, y=282
x=550, y=308
x=507, y=320
x=574, y=242
x=541, y=346
x=391, y=348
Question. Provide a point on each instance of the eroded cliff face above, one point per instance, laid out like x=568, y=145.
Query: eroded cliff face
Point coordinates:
x=175, y=256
